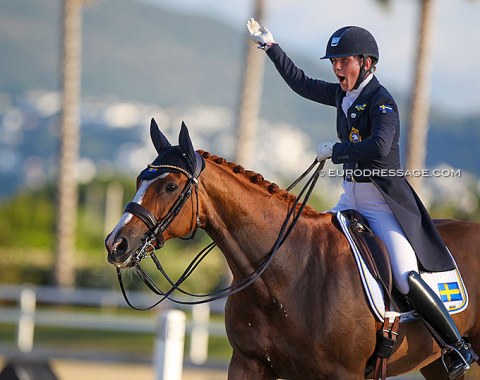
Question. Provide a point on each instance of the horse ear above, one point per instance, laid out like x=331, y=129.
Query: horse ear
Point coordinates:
x=186, y=145
x=159, y=140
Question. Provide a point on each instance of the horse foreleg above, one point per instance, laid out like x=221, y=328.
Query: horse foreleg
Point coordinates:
x=242, y=368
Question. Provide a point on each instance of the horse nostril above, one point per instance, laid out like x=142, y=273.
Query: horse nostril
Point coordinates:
x=118, y=251
x=120, y=246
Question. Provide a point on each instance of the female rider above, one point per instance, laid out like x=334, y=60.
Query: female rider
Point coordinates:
x=368, y=127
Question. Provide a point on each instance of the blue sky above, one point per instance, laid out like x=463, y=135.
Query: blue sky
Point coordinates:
x=305, y=26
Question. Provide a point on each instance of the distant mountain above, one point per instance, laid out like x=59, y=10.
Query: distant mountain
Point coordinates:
x=138, y=52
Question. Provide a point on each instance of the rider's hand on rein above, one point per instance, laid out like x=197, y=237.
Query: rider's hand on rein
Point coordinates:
x=324, y=151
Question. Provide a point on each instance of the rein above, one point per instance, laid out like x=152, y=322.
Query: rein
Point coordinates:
x=157, y=227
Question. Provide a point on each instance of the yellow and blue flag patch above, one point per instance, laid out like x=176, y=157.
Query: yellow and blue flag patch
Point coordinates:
x=450, y=291
x=385, y=108
x=361, y=107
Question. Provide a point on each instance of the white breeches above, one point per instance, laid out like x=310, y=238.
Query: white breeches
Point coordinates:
x=367, y=199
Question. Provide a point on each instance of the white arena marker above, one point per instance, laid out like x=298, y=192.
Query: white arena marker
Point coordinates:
x=199, y=334
x=169, y=345
x=26, y=322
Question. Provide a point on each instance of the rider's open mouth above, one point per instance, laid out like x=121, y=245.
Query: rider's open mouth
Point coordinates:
x=340, y=78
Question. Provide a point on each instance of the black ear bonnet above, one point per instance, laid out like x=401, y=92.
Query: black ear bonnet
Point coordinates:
x=180, y=158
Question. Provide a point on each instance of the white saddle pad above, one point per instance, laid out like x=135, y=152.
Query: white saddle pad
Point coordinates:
x=448, y=286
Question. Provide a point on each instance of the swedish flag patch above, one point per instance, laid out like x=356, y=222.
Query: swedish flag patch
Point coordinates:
x=450, y=291
x=385, y=108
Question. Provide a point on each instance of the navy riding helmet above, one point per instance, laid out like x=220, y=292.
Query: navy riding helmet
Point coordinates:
x=352, y=41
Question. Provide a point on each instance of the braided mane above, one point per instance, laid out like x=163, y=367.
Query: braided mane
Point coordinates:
x=256, y=178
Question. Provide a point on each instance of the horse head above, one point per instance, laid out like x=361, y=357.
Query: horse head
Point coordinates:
x=157, y=212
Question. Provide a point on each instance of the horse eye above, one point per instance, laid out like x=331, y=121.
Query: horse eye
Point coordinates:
x=171, y=187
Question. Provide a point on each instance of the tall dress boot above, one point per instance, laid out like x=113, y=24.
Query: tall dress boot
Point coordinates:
x=457, y=355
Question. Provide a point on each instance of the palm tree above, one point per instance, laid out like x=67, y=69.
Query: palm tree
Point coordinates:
x=250, y=96
x=249, y=106
x=417, y=133
x=67, y=192
x=416, y=141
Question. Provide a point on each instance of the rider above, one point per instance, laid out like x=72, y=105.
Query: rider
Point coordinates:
x=368, y=127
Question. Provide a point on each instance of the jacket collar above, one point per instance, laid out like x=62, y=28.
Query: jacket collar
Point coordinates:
x=354, y=94
x=364, y=96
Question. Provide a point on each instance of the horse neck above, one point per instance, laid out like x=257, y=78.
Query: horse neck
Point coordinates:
x=242, y=217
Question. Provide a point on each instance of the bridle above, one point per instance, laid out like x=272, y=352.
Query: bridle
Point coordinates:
x=157, y=227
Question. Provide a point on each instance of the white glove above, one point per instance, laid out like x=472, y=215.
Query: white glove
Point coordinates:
x=324, y=151
x=260, y=34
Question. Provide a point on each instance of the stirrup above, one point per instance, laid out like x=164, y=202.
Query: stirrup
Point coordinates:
x=448, y=349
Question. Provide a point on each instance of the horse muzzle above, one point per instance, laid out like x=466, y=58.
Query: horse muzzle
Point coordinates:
x=125, y=253
x=119, y=253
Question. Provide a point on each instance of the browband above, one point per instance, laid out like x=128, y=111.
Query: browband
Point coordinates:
x=197, y=170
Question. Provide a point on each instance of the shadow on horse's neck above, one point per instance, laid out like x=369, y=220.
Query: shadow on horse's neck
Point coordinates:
x=243, y=214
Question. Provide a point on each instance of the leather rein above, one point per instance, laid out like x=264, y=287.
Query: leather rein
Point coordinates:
x=157, y=227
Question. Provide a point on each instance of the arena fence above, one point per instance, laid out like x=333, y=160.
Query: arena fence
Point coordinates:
x=18, y=305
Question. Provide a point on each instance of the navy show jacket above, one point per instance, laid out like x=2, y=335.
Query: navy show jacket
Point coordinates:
x=369, y=150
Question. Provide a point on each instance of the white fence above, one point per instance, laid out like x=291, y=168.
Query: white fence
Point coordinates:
x=169, y=326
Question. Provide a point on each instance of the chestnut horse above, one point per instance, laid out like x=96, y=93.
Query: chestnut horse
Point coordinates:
x=306, y=316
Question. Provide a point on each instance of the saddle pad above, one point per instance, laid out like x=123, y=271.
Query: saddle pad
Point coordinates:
x=448, y=286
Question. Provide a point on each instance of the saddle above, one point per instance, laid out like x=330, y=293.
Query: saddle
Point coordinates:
x=371, y=248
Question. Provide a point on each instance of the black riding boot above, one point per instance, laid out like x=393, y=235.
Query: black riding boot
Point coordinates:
x=457, y=354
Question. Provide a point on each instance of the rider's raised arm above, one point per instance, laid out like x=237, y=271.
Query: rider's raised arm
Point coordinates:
x=313, y=89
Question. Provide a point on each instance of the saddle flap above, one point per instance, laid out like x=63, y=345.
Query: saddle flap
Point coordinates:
x=371, y=247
